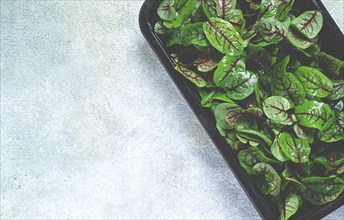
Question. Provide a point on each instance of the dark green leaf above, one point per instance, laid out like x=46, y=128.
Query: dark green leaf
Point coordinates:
x=271, y=30
x=284, y=6
x=337, y=91
x=322, y=190
x=271, y=183
x=250, y=157
x=209, y=8
x=194, y=34
x=329, y=64
x=205, y=63
x=184, y=9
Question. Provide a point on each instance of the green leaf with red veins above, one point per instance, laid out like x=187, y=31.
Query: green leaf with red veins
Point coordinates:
x=303, y=133
x=297, y=150
x=270, y=182
x=223, y=36
x=250, y=157
x=284, y=6
x=276, y=108
x=314, y=114
x=247, y=36
x=299, y=40
x=236, y=19
x=207, y=98
x=240, y=85
x=309, y=23
x=314, y=82
x=322, y=190
x=209, y=8
x=330, y=64
x=184, y=9
x=189, y=74
x=194, y=34
x=225, y=8
x=166, y=10
x=227, y=115
x=337, y=91
x=205, y=63
x=290, y=206
x=285, y=84
x=271, y=30
x=268, y=8
x=333, y=130
x=255, y=136
x=228, y=65
x=277, y=151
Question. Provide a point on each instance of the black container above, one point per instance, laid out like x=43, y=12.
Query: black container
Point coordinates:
x=333, y=45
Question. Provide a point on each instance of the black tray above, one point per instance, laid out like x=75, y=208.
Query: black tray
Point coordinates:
x=334, y=46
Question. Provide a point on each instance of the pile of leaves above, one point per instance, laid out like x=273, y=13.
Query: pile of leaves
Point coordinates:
x=277, y=98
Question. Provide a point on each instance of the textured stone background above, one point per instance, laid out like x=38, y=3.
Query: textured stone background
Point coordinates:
x=92, y=126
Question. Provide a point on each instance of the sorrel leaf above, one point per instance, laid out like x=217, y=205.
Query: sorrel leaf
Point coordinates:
x=297, y=150
x=330, y=64
x=276, y=108
x=209, y=97
x=271, y=181
x=194, y=34
x=290, y=206
x=271, y=30
x=209, y=8
x=321, y=190
x=337, y=91
x=284, y=6
x=223, y=36
x=309, y=23
x=189, y=74
x=277, y=151
x=184, y=9
x=225, y=8
x=205, y=63
x=166, y=10
x=298, y=40
x=250, y=157
x=314, y=114
x=315, y=83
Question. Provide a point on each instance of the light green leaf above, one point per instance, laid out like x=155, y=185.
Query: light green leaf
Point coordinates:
x=298, y=40
x=223, y=36
x=297, y=150
x=209, y=8
x=284, y=6
x=314, y=82
x=314, y=114
x=290, y=206
x=189, y=74
x=271, y=30
x=166, y=10
x=225, y=8
x=250, y=157
x=309, y=23
x=276, y=108
x=337, y=91
x=277, y=151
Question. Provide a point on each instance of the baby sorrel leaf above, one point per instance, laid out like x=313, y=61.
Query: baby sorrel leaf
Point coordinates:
x=250, y=157
x=322, y=190
x=314, y=114
x=194, y=34
x=189, y=74
x=330, y=64
x=268, y=8
x=284, y=6
x=298, y=40
x=315, y=83
x=227, y=115
x=236, y=19
x=333, y=129
x=228, y=65
x=209, y=97
x=277, y=151
x=205, y=63
x=166, y=10
x=337, y=91
x=285, y=84
x=297, y=150
x=309, y=23
x=290, y=206
x=209, y=8
x=255, y=136
x=223, y=36
x=271, y=181
x=271, y=30
x=225, y=8
x=276, y=108
x=184, y=9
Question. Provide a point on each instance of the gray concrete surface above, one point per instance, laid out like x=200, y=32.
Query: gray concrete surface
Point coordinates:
x=93, y=128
